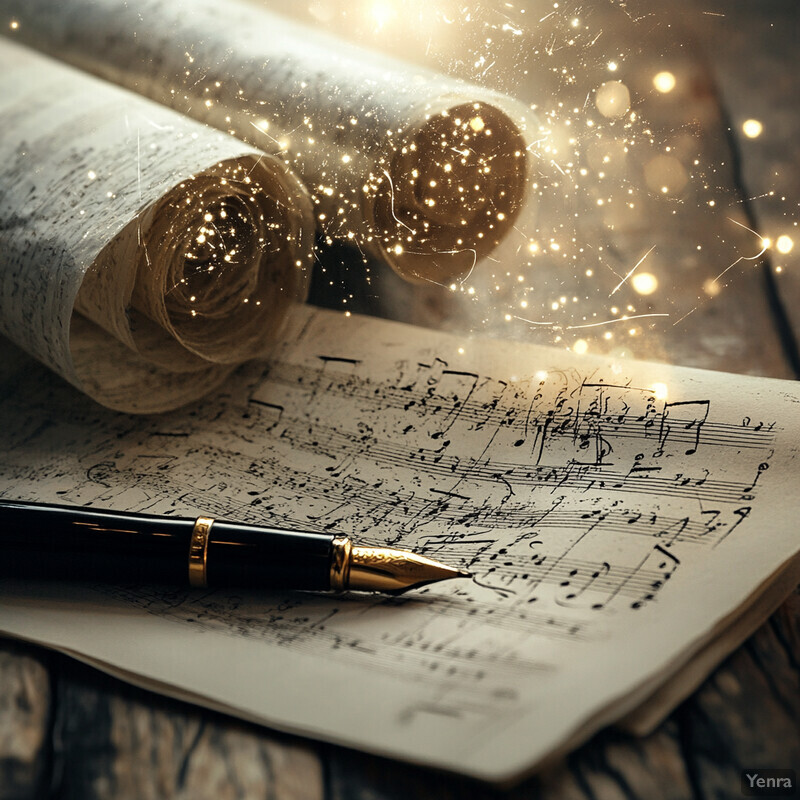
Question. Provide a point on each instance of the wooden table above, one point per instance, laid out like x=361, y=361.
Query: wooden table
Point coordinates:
x=67, y=731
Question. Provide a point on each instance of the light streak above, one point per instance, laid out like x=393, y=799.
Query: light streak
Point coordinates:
x=391, y=187
x=533, y=322
x=764, y=249
x=613, y=321
x=635, y=267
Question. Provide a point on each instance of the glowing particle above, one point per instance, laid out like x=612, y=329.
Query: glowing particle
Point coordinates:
x=664, y=82
x=477, y=124
x=92, y=175
x=612, y=67
x=752, y=128
x=660, y=391
x=541, y=375
x=461, y=351
x=580, y=346
x=784, y=244
x=644, y=283
x=345, y=159
x=398, y=249
x=612, y=99
x=14, y=25
x=263, y=125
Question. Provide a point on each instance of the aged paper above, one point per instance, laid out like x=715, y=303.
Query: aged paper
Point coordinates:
x=425, y=171
x=142, y=255
x=616, y=518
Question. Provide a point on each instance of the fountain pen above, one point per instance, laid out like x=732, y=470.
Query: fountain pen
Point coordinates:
x=39, y=540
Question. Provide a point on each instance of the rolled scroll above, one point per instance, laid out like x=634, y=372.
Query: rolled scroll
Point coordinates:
x=142, y=255
x=426, y=171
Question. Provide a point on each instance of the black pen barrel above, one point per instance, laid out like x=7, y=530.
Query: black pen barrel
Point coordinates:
x=39, y=540
x=244, y=555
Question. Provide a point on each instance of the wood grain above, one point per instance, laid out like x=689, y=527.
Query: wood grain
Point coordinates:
x=96, y=737
x=26, y=705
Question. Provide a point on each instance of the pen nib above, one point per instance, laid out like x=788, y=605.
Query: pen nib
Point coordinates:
x=384, y=569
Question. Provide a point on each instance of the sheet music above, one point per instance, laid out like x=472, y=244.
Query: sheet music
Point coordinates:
x=613, y=516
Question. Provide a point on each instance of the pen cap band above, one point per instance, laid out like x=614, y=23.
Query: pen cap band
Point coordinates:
x=198, y=552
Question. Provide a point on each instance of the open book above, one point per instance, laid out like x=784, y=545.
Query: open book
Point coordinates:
x=627, y=524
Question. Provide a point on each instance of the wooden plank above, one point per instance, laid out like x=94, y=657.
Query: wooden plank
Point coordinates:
x=612, y=765
x=25, y=712
x=746, y=715
x=112, y=740
x=755, y=62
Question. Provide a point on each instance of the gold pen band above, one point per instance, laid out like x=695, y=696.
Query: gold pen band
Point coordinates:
x=340, y=563
x=198, y=552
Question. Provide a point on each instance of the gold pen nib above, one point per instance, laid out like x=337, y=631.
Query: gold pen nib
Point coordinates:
x=384, y=569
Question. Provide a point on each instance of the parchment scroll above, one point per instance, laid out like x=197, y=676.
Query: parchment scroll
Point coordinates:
x=181, y=247
x=423, y=170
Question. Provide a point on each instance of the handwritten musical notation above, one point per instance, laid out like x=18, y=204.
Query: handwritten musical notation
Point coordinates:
x=581, y=503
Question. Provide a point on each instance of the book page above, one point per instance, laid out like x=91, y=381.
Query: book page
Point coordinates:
x=614, y=515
